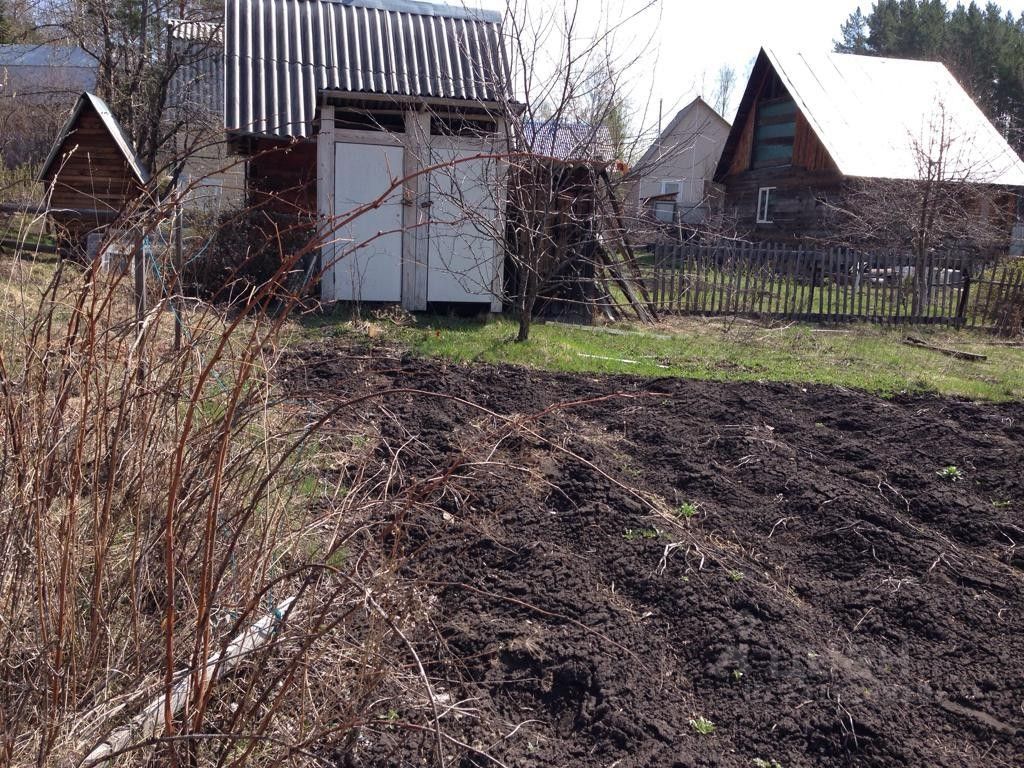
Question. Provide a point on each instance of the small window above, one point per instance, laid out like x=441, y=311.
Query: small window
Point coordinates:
x=665, y=212
x=764, y=204
x=670, y=188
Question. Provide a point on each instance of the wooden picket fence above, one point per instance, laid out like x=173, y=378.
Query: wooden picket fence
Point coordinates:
x=833, y=285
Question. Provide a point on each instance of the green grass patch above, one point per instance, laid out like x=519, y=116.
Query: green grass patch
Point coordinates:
x=869, y=358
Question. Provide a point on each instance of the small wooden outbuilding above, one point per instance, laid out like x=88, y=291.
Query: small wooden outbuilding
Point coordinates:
x=92, y=174
x=390, y=107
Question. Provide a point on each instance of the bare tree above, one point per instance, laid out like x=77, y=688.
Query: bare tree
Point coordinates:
x=568, y=122
x=950, y=203
x=724, y=87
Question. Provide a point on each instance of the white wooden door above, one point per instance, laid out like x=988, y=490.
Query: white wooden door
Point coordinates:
x=367, y=261
x=464, y=229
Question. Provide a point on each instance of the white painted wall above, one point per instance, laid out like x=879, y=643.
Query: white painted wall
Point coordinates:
x=687, y=151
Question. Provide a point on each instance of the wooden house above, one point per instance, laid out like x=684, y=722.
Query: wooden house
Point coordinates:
x=92, y=173
x=390, y=107
x=809, y=127
x=671, y=182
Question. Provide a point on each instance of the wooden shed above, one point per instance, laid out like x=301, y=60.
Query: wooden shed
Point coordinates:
x=335, y=102
x=92, y=174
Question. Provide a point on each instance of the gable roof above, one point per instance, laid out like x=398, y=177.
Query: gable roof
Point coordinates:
x=113, y=128
x=697, y=104
x=567, y=141
x=882, y=118
x=281, y=54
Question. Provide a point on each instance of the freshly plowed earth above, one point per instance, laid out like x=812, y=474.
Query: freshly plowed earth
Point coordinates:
x=833, y=602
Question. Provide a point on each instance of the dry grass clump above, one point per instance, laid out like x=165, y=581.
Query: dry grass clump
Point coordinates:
x=154, y=505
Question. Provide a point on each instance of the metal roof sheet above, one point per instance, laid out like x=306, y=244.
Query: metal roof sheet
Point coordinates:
x=883, y=118
x=198, y=31
x=281, y=54
x=567, y=141
x=198, y=81
x=45, y=55
x=113, y=127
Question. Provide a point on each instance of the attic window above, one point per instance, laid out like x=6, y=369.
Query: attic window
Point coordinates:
x=671, y=188
x=776, y=126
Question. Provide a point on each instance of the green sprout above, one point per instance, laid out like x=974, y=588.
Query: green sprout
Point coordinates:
x=687, y=510
x=702, y=725
x=951, y=473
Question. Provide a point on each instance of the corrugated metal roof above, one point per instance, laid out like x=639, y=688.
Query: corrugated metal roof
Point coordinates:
x=45, y=55
x=198, y=82
x=880, y=118
x=567, y=141
x=197, y=31
x=112, y=126
x=281, y=54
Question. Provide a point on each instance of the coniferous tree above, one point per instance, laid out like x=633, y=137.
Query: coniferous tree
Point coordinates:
x=981, y=46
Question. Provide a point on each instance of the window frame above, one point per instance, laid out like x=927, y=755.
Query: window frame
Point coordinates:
x=679, y=184
x=764, y=202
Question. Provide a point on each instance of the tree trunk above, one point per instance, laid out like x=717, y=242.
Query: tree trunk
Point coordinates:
x=526, y=304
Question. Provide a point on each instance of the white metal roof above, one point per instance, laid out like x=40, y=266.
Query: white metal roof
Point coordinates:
x=882, y=118
x=112, y=126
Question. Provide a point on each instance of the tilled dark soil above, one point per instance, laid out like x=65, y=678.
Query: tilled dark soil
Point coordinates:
x=834, y=600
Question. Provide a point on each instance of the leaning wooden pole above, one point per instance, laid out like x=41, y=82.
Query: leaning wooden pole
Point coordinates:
x=150, y=722
x=623, y=238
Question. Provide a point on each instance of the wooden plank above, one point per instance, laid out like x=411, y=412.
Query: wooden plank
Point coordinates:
x=884, y=298
x=813, y=257
x=657, y=275
x=689, y=277
x=325, y=149
x=702, y=278
x=965, y=294
x=958, y=354
x=784, y=284
x=747, y=261
x=719, y=275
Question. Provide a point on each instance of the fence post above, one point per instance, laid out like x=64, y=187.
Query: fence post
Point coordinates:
x=814, y=282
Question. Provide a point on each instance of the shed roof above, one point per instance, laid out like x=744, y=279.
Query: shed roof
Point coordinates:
x=110, y=123
x=885, y=118
x=281, y=54
x=197, y=31
x=45, y=55
x=564, y=140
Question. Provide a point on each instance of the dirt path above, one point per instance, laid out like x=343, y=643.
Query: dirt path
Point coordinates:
x=784, y=562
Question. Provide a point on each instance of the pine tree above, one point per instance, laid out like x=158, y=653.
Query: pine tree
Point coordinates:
x=982, y=47
x=854, y=34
